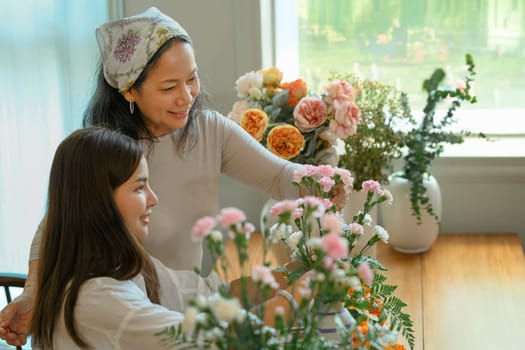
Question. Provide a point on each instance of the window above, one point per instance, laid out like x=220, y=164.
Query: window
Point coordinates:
x=401, y=42
x=48, y=57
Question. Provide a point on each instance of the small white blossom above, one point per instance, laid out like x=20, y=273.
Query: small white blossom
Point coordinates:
x=201, y=301
x=190, y=320
x=226, y=310
x=368, y=220
x=279, y=232
x=216, y=235
x=382, y=233
x=315, y=243
x=294, y=239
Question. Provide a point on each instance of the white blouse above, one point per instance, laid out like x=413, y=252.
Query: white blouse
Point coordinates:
x=112, y=314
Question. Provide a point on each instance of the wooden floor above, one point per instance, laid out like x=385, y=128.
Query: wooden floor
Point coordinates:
x=466, y=292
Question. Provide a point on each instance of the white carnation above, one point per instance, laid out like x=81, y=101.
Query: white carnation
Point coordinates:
x=382, y=233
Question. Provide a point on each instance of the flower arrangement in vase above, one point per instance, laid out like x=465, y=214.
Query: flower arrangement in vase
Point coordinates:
x=292, y=123
x=322, y=246
x=425, y=142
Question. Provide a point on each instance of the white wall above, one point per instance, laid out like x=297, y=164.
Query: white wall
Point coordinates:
x=479, y=194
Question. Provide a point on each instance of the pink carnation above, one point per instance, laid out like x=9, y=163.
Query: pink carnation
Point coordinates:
x=202, y=228
x=231, y=216
x=356, y=228
x=332, y=222
x=264, y=274
x=335, y=246
x=283, y=207
x=326, y=183
x=365, y=272
x=299, y=173
x=326, y=170
x=346, y=176
x=372, y=185
x=309, y=113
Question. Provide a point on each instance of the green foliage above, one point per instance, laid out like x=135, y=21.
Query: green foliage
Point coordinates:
x=370, y=152
x=425, y=142
x=392, y=308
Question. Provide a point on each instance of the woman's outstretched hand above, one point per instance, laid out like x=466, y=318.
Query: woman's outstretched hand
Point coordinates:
x=15, y=320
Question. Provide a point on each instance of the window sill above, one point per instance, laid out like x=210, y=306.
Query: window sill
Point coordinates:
x=496, y=147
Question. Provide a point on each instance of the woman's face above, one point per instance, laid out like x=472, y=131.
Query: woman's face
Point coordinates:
x=169, y=90
x=134, y=200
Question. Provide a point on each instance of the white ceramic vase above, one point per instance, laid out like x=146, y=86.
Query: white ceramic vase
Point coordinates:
x=328, y=314
x=406, y=234
x=356, y=204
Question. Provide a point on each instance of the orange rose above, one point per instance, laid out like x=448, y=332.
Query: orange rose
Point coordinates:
x=297, y=89
x=255, y=122
x=286, y=141
x=271, y=76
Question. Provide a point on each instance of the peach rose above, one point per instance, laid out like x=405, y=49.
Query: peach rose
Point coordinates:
x=255, y=122
x=309, y=113
x=297, y=89
x=286, y=141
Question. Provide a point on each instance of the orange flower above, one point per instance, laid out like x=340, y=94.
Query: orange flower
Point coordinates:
x=359, y=338
x=271, y=76
x=297, y=89
x=286, y=141
x=394, y=346
x=255, y=122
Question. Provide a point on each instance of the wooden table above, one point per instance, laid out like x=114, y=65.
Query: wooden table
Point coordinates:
x=467, y=292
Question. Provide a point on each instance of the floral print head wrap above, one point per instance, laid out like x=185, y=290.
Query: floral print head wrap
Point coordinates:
x=126, y=45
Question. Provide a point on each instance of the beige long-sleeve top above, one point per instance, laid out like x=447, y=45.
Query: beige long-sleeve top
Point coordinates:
x=112, y=314
x=187, y=187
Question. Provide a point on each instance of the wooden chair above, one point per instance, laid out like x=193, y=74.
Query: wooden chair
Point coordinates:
x=8, y=281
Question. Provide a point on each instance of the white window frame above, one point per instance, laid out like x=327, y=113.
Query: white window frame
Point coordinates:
x=503, y=126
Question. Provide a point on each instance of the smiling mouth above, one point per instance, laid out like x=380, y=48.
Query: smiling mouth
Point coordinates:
x=179, y=115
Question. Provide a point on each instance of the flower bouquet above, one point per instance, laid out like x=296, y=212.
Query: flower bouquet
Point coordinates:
x=292, y=123
x=323, y=261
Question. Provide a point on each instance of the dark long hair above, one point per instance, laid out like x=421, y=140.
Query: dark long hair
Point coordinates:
x=108, y=107
x=84, y=235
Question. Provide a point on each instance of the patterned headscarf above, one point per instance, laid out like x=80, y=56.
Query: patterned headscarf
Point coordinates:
x=126, y=45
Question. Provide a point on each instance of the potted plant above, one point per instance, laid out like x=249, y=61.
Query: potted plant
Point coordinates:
x=370, y=152
x=422, y=144
x=384, y=110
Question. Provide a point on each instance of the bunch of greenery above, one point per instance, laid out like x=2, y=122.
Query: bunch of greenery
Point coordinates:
x=425, y=142
x=384, y=111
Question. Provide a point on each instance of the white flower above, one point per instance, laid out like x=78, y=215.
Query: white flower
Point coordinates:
x=255, y=93
x=190, y=319
x=226, y=310
x=382, y=233
x=293, y=240
x=247, y=81
x=201, y=301
x=238, y=109
x=214, y=334
x=354, y=282
x=216, y=235
x=279, y=232
x=367, y=220
x=389, y=196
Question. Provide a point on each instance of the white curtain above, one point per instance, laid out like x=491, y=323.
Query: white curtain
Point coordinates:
x=48, y=56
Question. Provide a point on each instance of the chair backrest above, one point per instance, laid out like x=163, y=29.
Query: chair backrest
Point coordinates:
x=8, y=281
